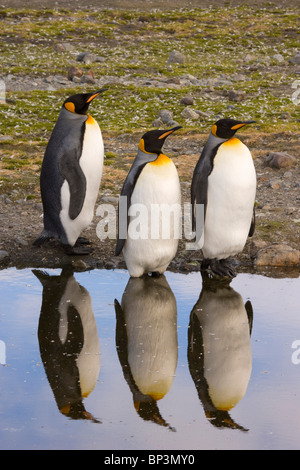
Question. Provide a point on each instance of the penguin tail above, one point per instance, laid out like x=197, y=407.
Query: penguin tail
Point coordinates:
x=44, y=236
x=42, y=276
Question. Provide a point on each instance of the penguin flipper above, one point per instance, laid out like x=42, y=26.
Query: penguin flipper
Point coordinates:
x=199, y=188
x=72, y=172
x=126, y=192
x=249, y=310
x=201, y=173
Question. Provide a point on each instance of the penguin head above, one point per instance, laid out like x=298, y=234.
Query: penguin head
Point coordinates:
x=79, y=103
x=226, y=128
x=152, y=141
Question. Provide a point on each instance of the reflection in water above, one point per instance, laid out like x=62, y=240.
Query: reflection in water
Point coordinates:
x=146, y=340
x=219, y=350
x=69, y=342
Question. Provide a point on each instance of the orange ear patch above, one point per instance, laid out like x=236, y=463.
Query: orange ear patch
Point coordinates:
x=214, y=130
x=70, y=106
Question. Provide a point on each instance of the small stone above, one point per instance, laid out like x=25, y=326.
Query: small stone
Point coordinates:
x=274, y=184
x=296, y=59
x=21, y=241
x=279, y=160
x=157, y=123
x=67, y=46
x=172, y=123
x=165, y=115
x=74, y=72
x=88, y=78
x=76, y=79
x=176, y=57
x=79, y=265
x=278, y=255
x=4, y=255
x=110, y=265
x=278, y=57
x=285, y=116
x=249, y=58
x=59, y=48
x=86, y=57
x=109, y=199
x=202, y=114
x=189, y=113
x=187, y=100
x=174, y=80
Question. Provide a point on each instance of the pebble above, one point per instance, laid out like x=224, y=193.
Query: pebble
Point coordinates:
x=275, y=183
x=187, y=100
x=189, y=113
x=236, y=95
x=4, y=255
x=176, y=57
x=278, y=255
x=165, y=115
x=86, y=57
x=278, y=57
x=64, y=46
x=74, y=72
x=109, y=199
x=20, y=241
x=79, y=265
x=157, y=123
x=296, y=59
x=285, y=116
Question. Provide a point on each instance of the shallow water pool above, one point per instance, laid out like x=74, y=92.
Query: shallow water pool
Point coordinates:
x=94, y=360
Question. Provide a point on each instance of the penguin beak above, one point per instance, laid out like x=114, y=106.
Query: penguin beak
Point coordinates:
x=241, y=124
x=95, y=94
x=170, y=131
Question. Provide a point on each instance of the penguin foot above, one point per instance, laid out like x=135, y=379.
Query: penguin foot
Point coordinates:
x=221, y=268
x=77, y=250
x=82, y=241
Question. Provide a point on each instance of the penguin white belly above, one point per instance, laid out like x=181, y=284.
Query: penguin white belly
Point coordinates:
x=88, y=361
x=91, y=163
x=230, y=201
x=157, y=193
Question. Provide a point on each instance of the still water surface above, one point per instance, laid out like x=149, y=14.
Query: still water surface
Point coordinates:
x=97, y=361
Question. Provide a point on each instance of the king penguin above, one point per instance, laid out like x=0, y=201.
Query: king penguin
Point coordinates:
x=151, y=187
x=224, y=182
x=71, y=174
